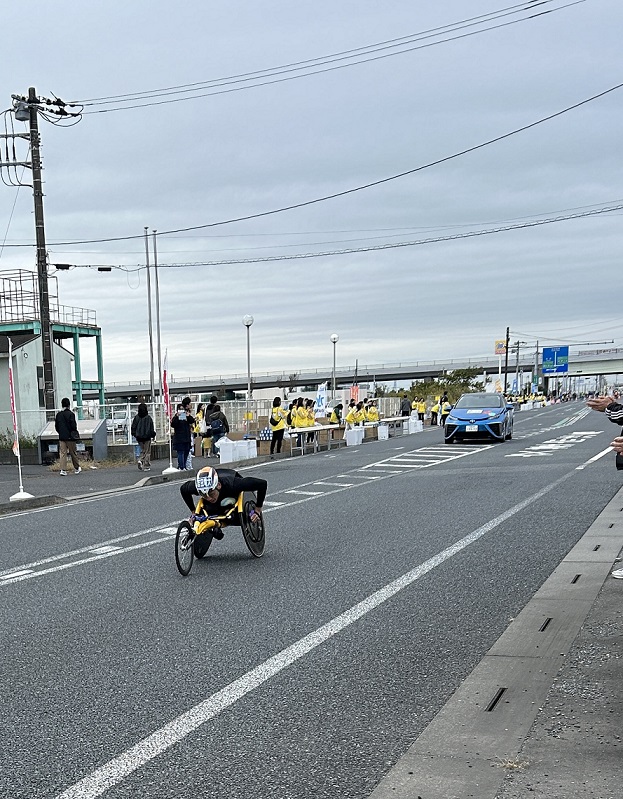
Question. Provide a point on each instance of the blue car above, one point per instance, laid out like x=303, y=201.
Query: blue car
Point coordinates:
x=479, y=415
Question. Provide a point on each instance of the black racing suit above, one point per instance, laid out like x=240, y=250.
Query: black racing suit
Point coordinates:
x=232, y=484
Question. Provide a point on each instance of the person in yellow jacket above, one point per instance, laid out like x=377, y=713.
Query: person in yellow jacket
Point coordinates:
x=373, y=413
x=299, y=418
x=336, y=414
x=434, y=411
x=421, y=409
x=311, y=418
x=446, y=407
x=277, y=421
x=356, y=416
x=414, y=405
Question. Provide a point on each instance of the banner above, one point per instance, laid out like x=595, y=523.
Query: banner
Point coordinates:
x=500, y=347
x=320, y=403
x=12, y=395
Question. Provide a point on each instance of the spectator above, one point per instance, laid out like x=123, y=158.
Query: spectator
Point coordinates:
x=434, y=411
x=206, y=436
x=446, y=407
x=405, y=406
x=336, y=414
x=277, y=420
x=421, y=409
x=182, y=424
x=311, y=418
x=67, y=429
x=143, y=431
x=219, y=427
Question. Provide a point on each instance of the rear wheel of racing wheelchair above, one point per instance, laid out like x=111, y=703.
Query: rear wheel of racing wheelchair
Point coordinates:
x=253, y=532
x=184, y=554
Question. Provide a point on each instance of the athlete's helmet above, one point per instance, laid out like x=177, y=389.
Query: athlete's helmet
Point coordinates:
x=206, y=480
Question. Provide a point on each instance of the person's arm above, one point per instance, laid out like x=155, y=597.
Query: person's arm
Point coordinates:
x=614, y=412
x=188, y=492
x=255, y=484
x=226, y=423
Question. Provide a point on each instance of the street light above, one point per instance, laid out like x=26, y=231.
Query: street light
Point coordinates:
x=247, y=321
x=334, y=338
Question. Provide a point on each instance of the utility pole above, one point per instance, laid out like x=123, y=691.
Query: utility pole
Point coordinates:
x=42, y=256
x=27, y=109
x=506, y=344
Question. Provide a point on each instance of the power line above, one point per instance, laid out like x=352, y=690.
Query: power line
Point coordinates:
x=386, y=246
x=310, y=72
x=353, y=190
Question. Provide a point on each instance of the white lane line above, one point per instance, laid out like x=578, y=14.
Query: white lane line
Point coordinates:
x=15, y=574
x=333, y=485
x=594, y=458
x=116, y=770
x=271, y=503
x=307, y=493
x=72, y=553
x=27, y=574
x=104, y=549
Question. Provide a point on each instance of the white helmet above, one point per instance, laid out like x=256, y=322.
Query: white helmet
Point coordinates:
x=206, y=480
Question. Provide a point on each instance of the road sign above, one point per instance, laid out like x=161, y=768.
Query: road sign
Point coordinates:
x=500, y=347
x=555, y=360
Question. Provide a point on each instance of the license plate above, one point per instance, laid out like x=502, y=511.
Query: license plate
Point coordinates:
x=471, y=428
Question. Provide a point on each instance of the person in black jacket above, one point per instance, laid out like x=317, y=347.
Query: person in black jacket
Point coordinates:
x=182, y=424
x=67, y=429
x=143, y=431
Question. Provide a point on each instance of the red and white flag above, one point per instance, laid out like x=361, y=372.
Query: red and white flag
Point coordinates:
x=165, y=386
x=12, y=395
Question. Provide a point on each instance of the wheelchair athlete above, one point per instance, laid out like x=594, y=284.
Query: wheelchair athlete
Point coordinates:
x=215, y=485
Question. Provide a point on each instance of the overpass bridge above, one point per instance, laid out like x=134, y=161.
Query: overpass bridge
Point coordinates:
x=581, y=364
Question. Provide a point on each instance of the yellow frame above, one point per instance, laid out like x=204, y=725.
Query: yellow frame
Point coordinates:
x=217, y=522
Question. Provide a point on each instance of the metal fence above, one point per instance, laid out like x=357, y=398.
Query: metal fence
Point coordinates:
x=119, y=416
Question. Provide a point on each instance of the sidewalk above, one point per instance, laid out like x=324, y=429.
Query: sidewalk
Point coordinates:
x=49, y=487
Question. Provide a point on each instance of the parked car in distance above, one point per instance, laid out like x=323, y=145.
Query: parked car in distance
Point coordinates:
x=118, y=423
x=480, y=415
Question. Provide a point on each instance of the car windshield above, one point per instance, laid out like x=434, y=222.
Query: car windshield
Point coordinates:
x=480, y=401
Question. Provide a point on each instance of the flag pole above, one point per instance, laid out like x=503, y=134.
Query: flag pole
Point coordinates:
x=166, y=399
x=21, y=494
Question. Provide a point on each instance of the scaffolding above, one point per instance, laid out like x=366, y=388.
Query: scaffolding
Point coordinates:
x=19, y=315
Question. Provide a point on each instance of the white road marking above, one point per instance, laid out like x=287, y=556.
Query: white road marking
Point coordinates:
x=9, y=579
x=114, y=771
x=333, y=485
x=102, y=550
x=271, y=503
x=298, y=491
x=15, y=574
x=594, y=458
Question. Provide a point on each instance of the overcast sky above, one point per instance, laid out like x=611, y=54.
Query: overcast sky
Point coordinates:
x=208, y=159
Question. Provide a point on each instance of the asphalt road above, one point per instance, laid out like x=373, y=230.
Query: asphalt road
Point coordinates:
x=390, y=570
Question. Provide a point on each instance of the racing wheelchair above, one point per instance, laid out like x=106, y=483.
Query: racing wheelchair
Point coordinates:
x=189, y=539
